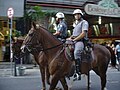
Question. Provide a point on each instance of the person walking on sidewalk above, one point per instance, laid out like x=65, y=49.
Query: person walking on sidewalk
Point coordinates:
x=117, y=51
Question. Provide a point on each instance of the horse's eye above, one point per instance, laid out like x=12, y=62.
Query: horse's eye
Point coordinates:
x=31, y=34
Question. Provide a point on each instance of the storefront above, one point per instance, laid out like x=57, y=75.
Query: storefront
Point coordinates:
x=105, y=21
x=103, y=27
x=4, y=35
x=18, y=11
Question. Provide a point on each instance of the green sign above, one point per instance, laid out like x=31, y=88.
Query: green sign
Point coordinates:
x=107, y=8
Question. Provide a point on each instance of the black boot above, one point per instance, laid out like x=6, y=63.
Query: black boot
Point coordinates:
x=78, y=67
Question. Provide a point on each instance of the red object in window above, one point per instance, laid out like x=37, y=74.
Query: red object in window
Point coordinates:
x=89, y=32
x=103, y=30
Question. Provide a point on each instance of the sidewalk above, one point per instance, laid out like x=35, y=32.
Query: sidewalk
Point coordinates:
x=6, y=70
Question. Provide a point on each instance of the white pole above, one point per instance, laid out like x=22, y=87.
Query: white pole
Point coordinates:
x=10, y=13
x=11, y=52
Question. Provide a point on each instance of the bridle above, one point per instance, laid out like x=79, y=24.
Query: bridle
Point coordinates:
x=36, y=48
x=51, y=47
x=29, y=46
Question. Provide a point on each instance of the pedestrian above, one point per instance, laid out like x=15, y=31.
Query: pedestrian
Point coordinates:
x=111, y=48
x=6, y=56
x=117, y=51
x=79, y=34
x=61, y=32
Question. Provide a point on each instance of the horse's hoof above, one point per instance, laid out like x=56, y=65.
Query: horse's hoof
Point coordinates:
x=89, y=84
x=48, y=82
x=69, y=88
x=105, y=88
x=43, y=89
x=58, y=88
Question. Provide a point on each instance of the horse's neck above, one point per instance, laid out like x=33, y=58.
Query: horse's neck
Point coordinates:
x=51, y=53
x=36, y=56
x=48, y=41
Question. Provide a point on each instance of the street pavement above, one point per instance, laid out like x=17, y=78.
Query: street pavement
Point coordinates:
x=31, y=80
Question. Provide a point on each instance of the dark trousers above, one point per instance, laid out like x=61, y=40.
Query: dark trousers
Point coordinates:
x=118, y=55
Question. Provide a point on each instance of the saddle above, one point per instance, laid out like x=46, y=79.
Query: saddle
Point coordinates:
x=87, y=56
x=86, y=53
x=69, y=50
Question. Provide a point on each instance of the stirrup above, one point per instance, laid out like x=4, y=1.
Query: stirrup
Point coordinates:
x=77, y=77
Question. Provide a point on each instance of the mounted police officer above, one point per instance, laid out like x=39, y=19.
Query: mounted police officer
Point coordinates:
x=79, y=34
x=61, y=32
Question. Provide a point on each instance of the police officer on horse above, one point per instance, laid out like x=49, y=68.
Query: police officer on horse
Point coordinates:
x=61, y=32
x=79, y=34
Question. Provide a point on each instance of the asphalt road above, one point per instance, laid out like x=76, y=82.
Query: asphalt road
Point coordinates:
x=31, y=81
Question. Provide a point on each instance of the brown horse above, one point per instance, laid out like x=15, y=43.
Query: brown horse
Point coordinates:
x=39, y=58
x=59, y=66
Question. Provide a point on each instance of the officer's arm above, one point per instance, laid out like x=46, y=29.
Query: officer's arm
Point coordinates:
x=116, y=50
x=60, y=29
x=57, y=33
x=82, y=35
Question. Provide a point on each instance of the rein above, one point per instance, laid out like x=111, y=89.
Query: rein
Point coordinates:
x=49, y=48
x=37, y=48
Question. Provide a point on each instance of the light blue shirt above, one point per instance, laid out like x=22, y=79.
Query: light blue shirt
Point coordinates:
x=81, y=26
x=62, y=27
x=118, y=48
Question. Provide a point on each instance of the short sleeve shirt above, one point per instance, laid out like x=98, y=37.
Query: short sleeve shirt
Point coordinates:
x=62, y=27
x=81, y=26
x=118, y=48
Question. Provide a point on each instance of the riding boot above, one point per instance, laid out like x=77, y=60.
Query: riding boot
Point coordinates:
x=78, y=67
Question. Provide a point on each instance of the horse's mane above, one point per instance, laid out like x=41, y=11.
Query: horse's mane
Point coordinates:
x=41, y=28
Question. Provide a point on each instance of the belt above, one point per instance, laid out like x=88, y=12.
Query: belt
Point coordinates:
x=81, y=40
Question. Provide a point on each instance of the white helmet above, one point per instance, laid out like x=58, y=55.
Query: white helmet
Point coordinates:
x=77, y=11
x=60, y=15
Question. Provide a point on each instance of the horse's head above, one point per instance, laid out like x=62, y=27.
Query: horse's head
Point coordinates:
x=31, y=41
x=40, y=39
x=16, y=47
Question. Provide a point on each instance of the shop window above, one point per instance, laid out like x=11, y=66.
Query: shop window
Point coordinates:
x=110, y=29
x=4, y=24
x=0, y=25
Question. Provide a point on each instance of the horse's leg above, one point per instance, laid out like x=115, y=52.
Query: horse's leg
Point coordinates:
x=47, y=76
x=54, y=81
x=42, y=70
x=88, y=81
x=102, y=73
x=103, y=81
x=64, y=83
x=96, y=71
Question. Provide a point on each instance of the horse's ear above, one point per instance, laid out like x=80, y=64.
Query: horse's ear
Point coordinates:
x=34, y=25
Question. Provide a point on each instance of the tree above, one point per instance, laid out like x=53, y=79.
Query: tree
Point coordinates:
x=37, y=15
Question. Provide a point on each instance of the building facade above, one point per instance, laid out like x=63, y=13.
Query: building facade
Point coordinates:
x=102, y=28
